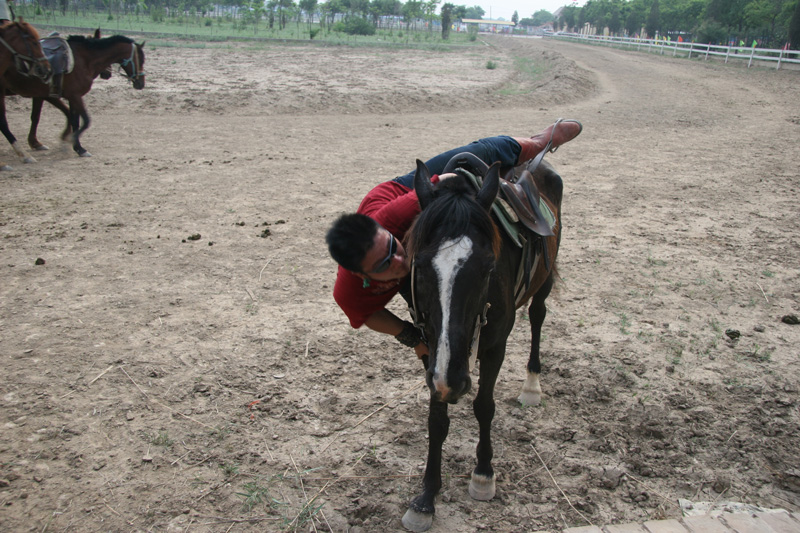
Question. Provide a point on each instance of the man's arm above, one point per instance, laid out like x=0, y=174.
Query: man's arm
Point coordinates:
x=384, y=321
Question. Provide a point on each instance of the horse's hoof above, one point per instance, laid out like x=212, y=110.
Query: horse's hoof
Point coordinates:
x=530, y=398
x=481, y=487
x=85, y=154
x=6, y=167
x=415, y=521
x=29, y=159
x=41, y=148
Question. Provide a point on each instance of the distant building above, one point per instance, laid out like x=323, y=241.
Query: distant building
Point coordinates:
x=492, y=26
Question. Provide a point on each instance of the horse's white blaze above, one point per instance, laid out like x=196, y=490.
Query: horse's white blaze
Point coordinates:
x=448, y=261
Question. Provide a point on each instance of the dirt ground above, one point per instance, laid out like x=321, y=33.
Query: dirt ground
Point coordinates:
x=178, y=363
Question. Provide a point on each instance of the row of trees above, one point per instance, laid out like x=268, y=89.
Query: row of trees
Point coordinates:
x=771, y=22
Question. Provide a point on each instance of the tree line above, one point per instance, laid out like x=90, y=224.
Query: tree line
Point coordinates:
x=771, y=23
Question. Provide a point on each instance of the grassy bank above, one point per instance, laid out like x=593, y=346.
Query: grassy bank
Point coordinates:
x=227, y=28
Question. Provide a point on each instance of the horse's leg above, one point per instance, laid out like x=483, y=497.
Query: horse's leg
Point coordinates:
x=36, y=113
x=482, y=485
x=419, y=516
x=76, y=136
x=532, y=391
x=10, y=136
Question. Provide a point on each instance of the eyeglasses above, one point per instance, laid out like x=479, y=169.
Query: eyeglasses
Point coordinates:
x=387, y=262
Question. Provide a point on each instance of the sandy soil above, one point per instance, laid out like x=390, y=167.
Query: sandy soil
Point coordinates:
x=152, y=382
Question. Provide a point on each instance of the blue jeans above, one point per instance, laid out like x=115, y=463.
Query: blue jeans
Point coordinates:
x=502, y=148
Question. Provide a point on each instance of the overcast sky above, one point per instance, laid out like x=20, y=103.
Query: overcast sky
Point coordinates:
x=525, y=8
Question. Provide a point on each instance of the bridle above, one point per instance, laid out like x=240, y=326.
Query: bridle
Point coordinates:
x=418, y=319
x=134, y=62
x=27, y=65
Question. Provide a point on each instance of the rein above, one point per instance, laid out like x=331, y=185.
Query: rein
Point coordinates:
x=21, y=62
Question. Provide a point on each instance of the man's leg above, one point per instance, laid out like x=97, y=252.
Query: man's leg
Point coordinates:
x=563, y=131
x=510, y=151
x=501, y=148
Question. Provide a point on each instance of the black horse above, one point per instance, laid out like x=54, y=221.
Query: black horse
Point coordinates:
x=466, y=287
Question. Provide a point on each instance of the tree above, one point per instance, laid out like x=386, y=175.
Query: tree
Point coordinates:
x=542, y=17
x=474, y=12
x=515, y=18
x=412, y=10
x=447, y=20
x=309, y=7
x=653, y=20
x=794, y=28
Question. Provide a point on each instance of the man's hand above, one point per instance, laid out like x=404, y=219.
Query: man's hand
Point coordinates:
x=422, y=350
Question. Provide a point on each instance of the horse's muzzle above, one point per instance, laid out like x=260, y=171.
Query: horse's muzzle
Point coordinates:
x=448, y=390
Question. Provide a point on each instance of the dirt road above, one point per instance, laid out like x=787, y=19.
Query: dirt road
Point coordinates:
x=177, y=362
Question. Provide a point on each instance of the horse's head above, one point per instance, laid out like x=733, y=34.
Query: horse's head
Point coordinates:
x=22, y=40
x=454, y=246
x=133, y=67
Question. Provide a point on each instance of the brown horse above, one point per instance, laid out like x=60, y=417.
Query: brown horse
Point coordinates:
x=21, y=50
x=92, y=57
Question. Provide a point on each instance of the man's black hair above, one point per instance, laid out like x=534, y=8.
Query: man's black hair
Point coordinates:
x=350, y=238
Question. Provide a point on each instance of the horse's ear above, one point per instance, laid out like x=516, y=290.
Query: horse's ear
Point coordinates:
x=142, y=45
x=422, y=184
x=97, y=33
x=491, y=184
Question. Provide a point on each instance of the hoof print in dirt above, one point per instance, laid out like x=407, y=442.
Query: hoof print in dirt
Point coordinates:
x=787, y=319
x=266, y=233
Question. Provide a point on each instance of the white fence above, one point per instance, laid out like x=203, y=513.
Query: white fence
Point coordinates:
x=782, y=58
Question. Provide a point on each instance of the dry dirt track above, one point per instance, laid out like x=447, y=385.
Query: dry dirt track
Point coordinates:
x=152, y=383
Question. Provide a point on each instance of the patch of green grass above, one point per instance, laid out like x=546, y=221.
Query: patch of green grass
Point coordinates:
x=624, y=323
x=229, y=470
x=161, y=439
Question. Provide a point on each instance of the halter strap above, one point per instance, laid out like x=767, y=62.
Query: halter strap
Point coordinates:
x=134, y=60
x=19, y=59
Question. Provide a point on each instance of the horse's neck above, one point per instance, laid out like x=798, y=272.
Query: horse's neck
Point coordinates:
x=99, y=60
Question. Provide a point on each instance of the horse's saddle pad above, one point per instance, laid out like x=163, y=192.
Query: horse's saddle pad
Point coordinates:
x=58, y=53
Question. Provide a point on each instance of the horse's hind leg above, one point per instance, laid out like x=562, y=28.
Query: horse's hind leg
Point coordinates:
x=76, y=136
x=532, y=391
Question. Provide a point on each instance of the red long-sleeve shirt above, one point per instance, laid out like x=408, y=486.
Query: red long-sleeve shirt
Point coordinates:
x=394, y=207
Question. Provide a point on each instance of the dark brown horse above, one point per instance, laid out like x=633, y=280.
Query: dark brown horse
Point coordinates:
x=21, y=50
x=466, y=279
x=92, y=57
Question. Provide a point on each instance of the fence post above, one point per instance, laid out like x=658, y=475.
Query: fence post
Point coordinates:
x=691, y=47
x=708, y=49
x=780, y=57
x=751, y=57
x=728, y=53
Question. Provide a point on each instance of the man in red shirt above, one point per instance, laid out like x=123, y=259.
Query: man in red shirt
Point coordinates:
x=368, y=244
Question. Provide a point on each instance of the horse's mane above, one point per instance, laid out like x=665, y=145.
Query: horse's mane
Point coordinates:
x=453, y=211
x=99, y=44
x=24, y=26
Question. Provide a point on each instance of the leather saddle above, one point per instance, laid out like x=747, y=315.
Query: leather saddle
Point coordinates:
x=518, y=201
x=58, y=53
